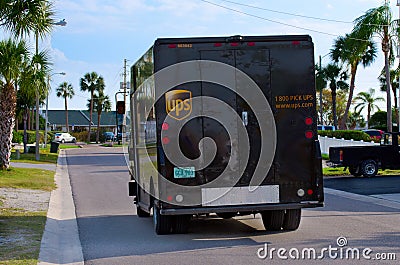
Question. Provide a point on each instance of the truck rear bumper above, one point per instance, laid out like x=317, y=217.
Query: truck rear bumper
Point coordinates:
x=240, y=208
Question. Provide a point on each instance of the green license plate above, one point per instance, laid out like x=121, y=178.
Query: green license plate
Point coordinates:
x=184, y=172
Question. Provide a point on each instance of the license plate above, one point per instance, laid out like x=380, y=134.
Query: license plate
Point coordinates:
x=184, y=172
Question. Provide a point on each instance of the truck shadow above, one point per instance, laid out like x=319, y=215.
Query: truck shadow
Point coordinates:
x=130, y=235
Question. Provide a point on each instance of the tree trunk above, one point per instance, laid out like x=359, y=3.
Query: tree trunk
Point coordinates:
x=66, y=114
x=388, y=97
x=368, y=114
x=37, y=154
x=350, y=99
x=26, y=115
x=98, y=127
x=320, y=106
x=333, y=92
x=8, y=103
x=91, y=112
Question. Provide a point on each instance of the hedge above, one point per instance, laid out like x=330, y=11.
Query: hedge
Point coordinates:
x=18, y=136
x=347, y=135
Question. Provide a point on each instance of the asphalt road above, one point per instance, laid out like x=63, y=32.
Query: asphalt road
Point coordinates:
x=111, y=233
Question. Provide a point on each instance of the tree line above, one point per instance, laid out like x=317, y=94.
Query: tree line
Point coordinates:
x=355, y=49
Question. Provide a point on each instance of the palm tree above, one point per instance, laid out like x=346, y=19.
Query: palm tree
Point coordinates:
x=66, y=91
x=368, y=100
x=352, y=52
x=101, y=103
x=320, y=84
x=23, y=18
x=91, y=82
x=378, y=21
x=394, y=84
x=336, y=77
x=13, y=56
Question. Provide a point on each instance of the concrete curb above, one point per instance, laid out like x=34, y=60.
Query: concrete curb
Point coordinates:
x=60, y=242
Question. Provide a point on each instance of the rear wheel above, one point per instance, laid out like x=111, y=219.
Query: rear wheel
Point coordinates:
x=273, y=220
x=162, y=223
x=62, y=141
x=369, y=168
x=292, y=219
x=355, y=171
x=180, y=224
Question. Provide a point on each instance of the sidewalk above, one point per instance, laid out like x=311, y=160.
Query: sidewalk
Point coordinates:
x=51, y=167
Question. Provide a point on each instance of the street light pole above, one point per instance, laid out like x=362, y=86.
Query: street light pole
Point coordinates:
x=37, y=153
x=47, y=105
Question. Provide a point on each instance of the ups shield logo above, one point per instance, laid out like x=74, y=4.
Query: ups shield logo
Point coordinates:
x=178, y=104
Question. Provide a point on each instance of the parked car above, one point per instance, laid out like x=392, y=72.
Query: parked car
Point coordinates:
x=375, y=134
x=326, y=128
x=64, y=138
x=109, y=136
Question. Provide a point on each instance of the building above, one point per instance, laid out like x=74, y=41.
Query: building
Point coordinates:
x=78, y=120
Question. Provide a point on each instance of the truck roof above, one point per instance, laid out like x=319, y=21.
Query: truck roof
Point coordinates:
x=233, y=39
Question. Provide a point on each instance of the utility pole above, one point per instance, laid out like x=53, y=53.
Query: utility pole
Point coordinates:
x=124, y=84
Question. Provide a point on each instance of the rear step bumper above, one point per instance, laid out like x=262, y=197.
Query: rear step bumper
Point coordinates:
x=241, y=208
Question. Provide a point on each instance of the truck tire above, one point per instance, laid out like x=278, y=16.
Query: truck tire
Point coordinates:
x=141, y=213
x=292, y=219
x=162, y=223
x=369, y=168
x=273, y=219
x=355, y=171
x=180, y=224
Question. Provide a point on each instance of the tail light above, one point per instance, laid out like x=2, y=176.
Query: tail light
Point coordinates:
x=341, y=155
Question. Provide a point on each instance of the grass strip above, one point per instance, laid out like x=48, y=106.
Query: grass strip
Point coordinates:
x=21, y=233
x=27, y=178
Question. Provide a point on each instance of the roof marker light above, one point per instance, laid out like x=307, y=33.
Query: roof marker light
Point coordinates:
x=172, y=46
x=251, y=44
x=217, y=44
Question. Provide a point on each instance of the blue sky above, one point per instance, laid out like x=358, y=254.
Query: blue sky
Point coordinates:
x=100, y=34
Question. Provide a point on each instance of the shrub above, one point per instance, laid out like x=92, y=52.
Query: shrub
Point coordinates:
x=347, y=134
x=18, y=137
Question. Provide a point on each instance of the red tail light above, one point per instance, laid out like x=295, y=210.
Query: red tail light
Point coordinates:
x=309, y=121
x=234, y=44
x=310, y=192
x=251, y=44
x=165, y=140
x=172, y=46
x=296, y=42
x=341, y=155
x=165, y=126
x=309, y=134
x=217, y=44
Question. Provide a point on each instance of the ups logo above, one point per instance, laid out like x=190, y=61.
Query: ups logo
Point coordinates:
x=178, y=103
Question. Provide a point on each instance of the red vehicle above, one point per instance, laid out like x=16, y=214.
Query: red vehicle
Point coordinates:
x=374, y=134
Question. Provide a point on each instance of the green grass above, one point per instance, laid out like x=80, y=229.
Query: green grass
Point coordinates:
x=27, y=178
x=339, y=171
x=325, y=156
x=67, y=146
x=22, y=233
x=45, y=157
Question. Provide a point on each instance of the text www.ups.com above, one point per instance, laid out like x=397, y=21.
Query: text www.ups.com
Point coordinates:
x=295, y=105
